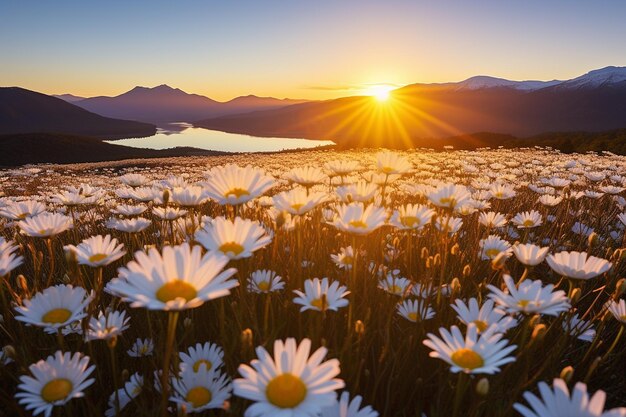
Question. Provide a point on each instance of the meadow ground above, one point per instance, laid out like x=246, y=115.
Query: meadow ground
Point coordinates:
x=456, y=283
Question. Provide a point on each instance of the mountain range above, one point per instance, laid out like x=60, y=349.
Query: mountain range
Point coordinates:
x=593, y=102
x=25, y=111
x=413, y=116
x=164, y=104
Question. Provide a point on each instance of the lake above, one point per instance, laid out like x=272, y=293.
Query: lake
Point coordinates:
x=183, y=134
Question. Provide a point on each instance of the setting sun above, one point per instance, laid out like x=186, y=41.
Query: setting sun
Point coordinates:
x=380, y=92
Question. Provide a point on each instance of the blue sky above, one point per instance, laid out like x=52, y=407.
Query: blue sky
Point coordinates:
x=311, y=49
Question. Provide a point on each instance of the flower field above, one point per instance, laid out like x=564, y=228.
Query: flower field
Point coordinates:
x=320, y=283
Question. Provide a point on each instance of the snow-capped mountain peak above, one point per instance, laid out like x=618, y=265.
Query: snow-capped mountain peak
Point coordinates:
x=483, y=81
x=596, y=78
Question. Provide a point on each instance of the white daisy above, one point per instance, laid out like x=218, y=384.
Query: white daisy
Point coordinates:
x=346, y=408
x=321, y=295
x=107, y=326
x=141, y=347
x=97, y=251
x=231, y=184
x=209, y=354
x=471, y=354
x=132, y=388
x=55, y=381
x=484, y=316
x=236, y=239
x=578, y=265
x=415, y=310
x=529, y=254
x=179, y=279
x=557, y=402
x=531, y=297
x=291, y=383
x=201, y=390
x=45, y=224
x=55, y=307
x=265, y=281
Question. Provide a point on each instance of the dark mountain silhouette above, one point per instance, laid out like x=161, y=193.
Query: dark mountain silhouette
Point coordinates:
x=25, y=111
x=31, y=148
x=593, y=102
x=166, y=104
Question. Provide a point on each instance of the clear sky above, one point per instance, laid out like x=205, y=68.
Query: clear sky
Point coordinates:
x=300, y=49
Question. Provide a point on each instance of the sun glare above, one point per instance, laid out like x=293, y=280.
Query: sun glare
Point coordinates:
x=380, y=92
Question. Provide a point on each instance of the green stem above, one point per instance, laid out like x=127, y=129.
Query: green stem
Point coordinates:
x=169, y=346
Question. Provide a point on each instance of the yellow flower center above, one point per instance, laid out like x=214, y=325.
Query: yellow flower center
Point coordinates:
x=499, y=194
x=480, y=325
x=492, y=253
x=97, y=257
x=263, y=286
x=196, y=366
x=297, y=206
x=237, y=192
x=395, y=289
x=447, y=201
x=467, y=359
x=58, y=315
x=528, y=223
x=319, y=303
x=286, y=391
x=23, y=216
x=387, y=170
x=56, y=390
x=43, y=231
x=176, y=289
x=359, y=224
x=198, y=396
x=410, y=221
x=413, y=316
x=233, y=247
x=347, y=260
x=523, y=303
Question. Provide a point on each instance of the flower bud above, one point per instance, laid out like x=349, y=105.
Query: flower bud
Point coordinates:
x=437, y=260
x=23, y=284
x=166, y=197
x=359, y=328
x=482, y=387
x=424, y=253
x=247, y=337
x=455, y=249
x=455, y=285
x=566, y=374
x=592, y=239
x=187, y=322
x=575, y=295
x=539, y=332
x=467, y=270
x=9, y=352
x=125, y=374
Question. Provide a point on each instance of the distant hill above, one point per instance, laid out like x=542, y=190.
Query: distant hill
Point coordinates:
x=593, y=102
x=166, y=104
x=25, y=111
x=34, y=148
x=70, y=98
